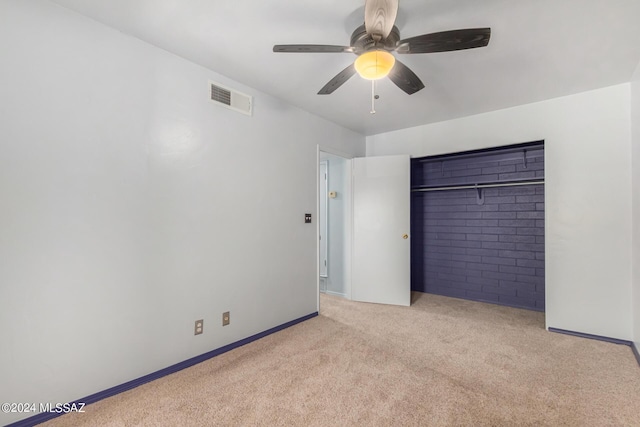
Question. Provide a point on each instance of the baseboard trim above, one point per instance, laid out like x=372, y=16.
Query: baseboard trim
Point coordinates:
x=42, y=417
x=631, y=344
x=636, y=353
x=591, y=337
x=337, y=294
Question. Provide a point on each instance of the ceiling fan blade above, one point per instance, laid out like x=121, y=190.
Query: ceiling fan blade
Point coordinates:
x=311, y=48
x=446, y=41
x=405, y=79
x=338, y=80
x=379, y=17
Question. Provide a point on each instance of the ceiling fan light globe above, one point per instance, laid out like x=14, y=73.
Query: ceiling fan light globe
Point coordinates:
x=375, y=64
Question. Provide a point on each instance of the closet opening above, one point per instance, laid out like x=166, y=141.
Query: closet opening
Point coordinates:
x=477, y=221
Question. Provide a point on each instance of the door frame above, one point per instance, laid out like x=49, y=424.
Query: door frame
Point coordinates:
x=323, y=218
x=348, y=225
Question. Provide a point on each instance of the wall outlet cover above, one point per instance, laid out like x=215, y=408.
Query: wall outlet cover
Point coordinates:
x=199, y=327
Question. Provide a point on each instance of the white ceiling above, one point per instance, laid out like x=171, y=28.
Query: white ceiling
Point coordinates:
x=539, y=49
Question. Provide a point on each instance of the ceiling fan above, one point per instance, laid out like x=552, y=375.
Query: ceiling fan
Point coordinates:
x=379, y=36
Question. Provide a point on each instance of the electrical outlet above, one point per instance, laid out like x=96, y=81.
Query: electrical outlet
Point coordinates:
x=199, y=328
x=226, y=318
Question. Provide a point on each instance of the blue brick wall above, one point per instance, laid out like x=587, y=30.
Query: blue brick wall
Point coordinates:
x=490, y=167
x=492, y=252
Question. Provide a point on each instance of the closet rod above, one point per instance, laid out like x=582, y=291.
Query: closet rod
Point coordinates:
x=464, y=187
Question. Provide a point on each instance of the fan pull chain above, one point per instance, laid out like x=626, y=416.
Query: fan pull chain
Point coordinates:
x=373, y=97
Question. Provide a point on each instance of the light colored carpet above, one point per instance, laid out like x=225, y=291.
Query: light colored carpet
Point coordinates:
x=440, y=362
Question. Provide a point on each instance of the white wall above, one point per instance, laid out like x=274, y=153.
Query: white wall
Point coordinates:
x=336, y=281
x=635, y=135
x=132, y=206
x=588, y=208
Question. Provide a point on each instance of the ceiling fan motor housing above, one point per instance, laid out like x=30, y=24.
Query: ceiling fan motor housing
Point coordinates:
x=363, y=42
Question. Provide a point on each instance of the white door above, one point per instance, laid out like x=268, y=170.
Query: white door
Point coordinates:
x=381, y=219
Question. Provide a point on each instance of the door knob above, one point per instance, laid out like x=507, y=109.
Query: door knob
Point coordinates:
x=405, y=236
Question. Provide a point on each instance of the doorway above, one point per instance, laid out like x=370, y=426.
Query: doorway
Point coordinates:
x=334, y=213
x=367, y=228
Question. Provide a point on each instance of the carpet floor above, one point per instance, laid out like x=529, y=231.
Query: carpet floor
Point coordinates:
x=440, y=362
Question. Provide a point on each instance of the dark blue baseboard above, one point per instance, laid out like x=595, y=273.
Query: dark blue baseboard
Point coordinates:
x=636, y=353
x=40, y=418
x=600, y=338
x=591, y=337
